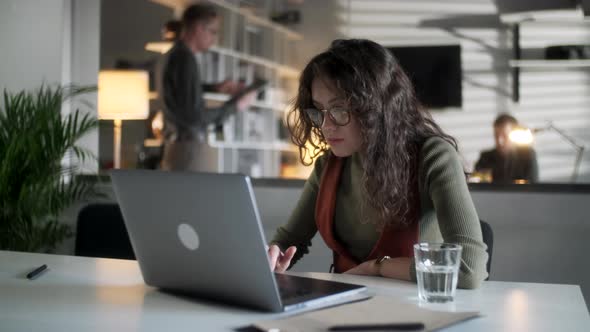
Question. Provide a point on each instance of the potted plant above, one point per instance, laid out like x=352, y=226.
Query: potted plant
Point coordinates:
x=36, y=185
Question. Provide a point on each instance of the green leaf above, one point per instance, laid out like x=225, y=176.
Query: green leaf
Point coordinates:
x=35, y=186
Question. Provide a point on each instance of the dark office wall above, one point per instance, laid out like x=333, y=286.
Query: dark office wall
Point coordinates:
x=125, y=28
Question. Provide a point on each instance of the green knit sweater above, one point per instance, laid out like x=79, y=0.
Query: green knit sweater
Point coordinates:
x=447, y=212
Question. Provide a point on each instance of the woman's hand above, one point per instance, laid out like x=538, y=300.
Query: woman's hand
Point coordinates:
x=368, y=268
x=279, y=261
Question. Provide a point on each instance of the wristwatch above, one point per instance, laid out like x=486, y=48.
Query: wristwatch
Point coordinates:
x=382, y=259
x=379, y=261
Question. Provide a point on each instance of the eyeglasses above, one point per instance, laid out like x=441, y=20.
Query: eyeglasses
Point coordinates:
x=340, y=116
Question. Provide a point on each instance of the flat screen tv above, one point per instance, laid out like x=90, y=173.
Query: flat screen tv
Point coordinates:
x=435, y=72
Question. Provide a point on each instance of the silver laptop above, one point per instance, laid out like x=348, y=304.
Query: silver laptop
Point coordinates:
x=200, y=234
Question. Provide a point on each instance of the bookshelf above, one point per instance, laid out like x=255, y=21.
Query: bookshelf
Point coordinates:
x=250, y=46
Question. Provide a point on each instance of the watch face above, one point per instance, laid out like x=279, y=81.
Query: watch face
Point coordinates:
x=380, y=260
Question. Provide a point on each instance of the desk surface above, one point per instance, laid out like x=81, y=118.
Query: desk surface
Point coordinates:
x=88, y=294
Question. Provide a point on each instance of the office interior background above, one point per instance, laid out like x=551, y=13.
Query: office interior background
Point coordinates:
x=71, y=41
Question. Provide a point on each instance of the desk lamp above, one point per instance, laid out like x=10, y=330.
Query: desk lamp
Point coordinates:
x=524, y=136
x=122, y=95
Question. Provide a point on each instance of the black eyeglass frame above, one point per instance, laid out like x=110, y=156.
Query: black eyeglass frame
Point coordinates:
x=311, y=112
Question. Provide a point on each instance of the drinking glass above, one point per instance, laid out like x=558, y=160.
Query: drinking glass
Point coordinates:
x=437, y=270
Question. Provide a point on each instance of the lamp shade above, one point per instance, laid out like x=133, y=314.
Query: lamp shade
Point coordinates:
x=521, y=136
x=123, y=94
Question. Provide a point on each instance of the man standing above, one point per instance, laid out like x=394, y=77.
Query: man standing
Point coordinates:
x=508, y=162
x=185, y=112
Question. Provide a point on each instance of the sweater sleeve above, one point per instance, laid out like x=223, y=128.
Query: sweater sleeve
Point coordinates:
x=301, y=227
x=457, y=218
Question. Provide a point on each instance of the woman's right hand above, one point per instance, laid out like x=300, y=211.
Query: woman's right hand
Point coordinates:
x=280, y=261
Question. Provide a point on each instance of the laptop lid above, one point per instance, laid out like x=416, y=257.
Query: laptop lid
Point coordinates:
x=200, y=234
x=191, y=232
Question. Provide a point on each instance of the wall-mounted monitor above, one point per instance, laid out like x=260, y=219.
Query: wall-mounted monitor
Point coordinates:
x=435, y=72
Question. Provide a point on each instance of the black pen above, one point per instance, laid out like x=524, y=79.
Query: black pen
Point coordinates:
x=36, y=272
x=379, y=327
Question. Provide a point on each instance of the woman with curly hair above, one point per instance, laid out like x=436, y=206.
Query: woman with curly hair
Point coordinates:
x=385, y=175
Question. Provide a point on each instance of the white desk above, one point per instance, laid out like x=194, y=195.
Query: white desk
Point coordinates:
x=87, y=294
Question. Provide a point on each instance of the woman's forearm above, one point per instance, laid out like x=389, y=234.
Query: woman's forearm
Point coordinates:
x=395, y=268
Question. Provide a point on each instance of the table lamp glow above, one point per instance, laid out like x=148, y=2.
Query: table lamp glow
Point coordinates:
x=524, y=136
x=122, y=95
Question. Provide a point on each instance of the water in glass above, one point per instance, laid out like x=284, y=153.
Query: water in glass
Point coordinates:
x=436, y=283
x=437, y=270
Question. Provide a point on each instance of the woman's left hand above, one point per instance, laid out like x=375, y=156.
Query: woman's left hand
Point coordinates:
x=368, y=268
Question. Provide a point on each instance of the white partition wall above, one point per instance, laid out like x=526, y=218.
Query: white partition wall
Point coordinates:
x=51, y=42
x=32, y=36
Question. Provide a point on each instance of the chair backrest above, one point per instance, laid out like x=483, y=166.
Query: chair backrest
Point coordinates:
x=101, y=232
x=488, y=239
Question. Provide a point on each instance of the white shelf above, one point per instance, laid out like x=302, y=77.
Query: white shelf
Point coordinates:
x=549, y=63
x=282, y=69
x=267, y=146
x=222, y=97
x=245, y=145
x=179, y=5
x=555, y=15
x=285, y=71
x=274, y=146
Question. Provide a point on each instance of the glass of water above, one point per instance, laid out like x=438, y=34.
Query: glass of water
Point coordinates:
x=437, y=270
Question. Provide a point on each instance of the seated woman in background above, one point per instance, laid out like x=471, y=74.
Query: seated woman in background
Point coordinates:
x=386, y=175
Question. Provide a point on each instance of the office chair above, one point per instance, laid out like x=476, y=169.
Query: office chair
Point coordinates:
x=488, y=239
x=101, y=232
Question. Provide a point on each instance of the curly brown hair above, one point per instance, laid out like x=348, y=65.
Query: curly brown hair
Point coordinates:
x=393, y=123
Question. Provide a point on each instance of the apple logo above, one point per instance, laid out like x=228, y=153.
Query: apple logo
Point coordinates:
x=188, y=236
